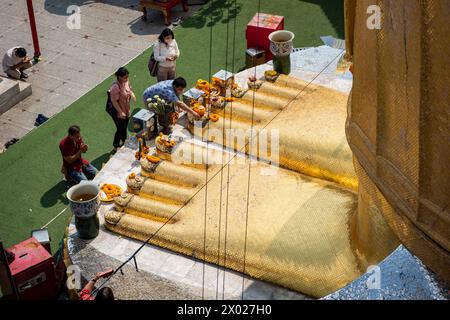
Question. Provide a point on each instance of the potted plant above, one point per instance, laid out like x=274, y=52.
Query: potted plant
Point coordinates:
x=163, y=110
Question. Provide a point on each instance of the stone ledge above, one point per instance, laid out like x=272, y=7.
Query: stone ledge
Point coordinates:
x=12, y=92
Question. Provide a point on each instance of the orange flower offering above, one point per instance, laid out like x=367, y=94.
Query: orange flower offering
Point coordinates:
x=153, y=159
x=111, y=191
x=164, y=142
x=214, y=117
x=217, y=82
x=199, y=109
x=218, y=102
x=203, y=85
x=270, y=73
x=132, y=175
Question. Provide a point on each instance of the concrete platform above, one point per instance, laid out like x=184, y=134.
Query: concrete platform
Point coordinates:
x=177, y=276
x=12, y=92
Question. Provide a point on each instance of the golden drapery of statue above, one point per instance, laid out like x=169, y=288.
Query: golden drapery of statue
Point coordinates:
x=398, y=121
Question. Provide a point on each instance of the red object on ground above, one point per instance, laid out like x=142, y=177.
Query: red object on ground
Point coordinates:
x=33, y=271
x=34, y=35
x=165, y=6
x=258, y=31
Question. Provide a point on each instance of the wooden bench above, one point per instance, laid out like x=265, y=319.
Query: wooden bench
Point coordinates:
x=162, y=5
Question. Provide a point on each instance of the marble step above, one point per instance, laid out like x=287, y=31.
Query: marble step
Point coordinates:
x=239, y=111
x=265, y=100
x=165, y=192
x=12, y=92
x=148, y=208
x=279, y=90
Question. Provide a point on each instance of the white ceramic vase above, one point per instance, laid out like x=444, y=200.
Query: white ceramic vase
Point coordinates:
x=281, y=43
x=85, y=212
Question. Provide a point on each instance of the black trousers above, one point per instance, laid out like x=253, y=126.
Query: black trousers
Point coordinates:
x=121, y=129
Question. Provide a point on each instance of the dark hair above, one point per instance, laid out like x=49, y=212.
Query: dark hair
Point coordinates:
x=104, y=294
x=21, y=52
x=179, y=82
x=122, y=72
x=73, y=130
x=165, y=33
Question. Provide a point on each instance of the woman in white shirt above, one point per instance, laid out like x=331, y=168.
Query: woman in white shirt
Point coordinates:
x=166, y=52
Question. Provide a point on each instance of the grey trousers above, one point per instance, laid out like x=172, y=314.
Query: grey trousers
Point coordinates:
x=15, y=73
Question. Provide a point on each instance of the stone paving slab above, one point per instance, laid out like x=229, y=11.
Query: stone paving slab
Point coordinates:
x=71, y=89
x=38, y=105
x=73, y=61
x=20, y=117
x=9, y=130
x=132, y=284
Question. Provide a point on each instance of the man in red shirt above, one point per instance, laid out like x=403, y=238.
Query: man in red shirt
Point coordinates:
x=74, y=166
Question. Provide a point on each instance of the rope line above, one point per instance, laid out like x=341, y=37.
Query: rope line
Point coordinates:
x=54, y=218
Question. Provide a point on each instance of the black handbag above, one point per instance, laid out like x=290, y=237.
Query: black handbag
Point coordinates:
x=109, y=106
x=153, y=65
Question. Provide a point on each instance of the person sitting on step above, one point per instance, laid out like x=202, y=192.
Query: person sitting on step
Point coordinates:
x=15, y=61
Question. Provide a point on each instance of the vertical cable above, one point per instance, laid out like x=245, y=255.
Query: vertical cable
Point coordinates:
x=250, y=162
x=223, y=151
x=228, y=166
x=207, y=154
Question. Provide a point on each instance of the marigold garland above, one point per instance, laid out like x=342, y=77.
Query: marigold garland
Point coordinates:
x=214, y=117
x=199, y=109
x=153, y=159
x=111, y=190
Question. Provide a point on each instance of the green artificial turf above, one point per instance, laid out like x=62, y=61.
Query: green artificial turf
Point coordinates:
x=31, y=188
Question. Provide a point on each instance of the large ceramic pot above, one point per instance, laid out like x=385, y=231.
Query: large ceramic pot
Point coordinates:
x=281, y=46
x=85, y=211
